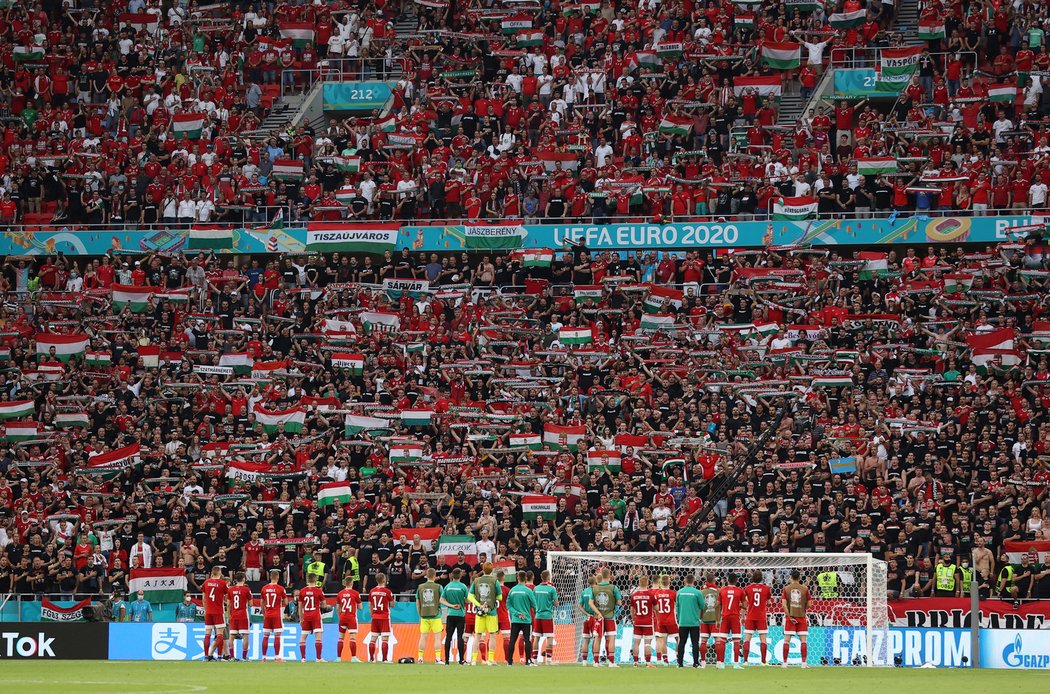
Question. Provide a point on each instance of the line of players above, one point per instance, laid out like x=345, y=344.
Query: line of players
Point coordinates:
x=694, y=615
x=480, y=612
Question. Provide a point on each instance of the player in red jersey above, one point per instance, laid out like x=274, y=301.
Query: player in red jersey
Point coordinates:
x=274, y=599
x=730, y=617
x=795, y=601
x=643, y=607
x=666, y=625
x=239, y=598
x=379, y=600
x=757, y=596
x=214, y=592
x=348, y=601
x=311, y=599
x=470, y=612
x=503, y=616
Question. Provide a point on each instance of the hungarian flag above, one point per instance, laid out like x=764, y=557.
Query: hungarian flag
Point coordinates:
x=187, y=126
x=552, y=160
x=541, y=257
x=287, y=170
x=875, y=263
x=763, y=85
x=1038, y=551
x=428, y=537
x=300, y=33
x=17, y=408
x=449, y=547
x=20, y=431
x=150, y=356
x=494, y=236
x=1003, y=93
x=50, y=612
x=676, y=125
x=539, y=507
x=635, y=441
x=669, y=50
x=598, y=460
x=292, y=419
x=354, y=362
x=562, y=438
x=876, y=165
x=27, y=54
x=320, y=404
x=652, y=322
x=847, y=20
x=327, y=237
x=575, y=336
x=333, y=493
x=955, y=282
x=98, y=358
x=69, y=420
x=417, y=418
x=1003, y=338
x=159, y=585
x=531, y=441
x=406, y=452
x=896, y=67
x=240, y=362
x=831, y=381
x=787, y=209
x=659, y=296
x=744, y=21
x=117, y=459
x=345, y=195
x=648, y=61
x=931, y=29
x=264, y=370
x=66, y=346
x=345, y=164
x=210, y=238
x=376, y=320
x=354, y=424
x=995, y=360
x=800, y=5
x=527, y=39
x=782, y=55
x=131, y=296
x=512, y=25
x=587, y=293
x=141, y=20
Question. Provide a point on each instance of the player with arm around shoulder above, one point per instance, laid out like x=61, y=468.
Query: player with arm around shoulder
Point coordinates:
x=348, y=601
x=730, y=621
x=795, y=601
x=605, y=598
x=757, y=596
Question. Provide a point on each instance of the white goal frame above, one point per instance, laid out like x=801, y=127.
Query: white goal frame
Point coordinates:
x=873, y=597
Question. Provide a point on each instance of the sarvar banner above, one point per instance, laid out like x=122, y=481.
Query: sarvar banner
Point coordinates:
x=954, y=613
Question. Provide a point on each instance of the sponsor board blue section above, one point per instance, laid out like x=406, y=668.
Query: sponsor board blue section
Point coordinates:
x=1014, y=649
x=858, y=83
x=613, y=236
x=182, y=641
x=356, y=96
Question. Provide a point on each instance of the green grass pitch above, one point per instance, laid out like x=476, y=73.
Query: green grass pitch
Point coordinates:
x=100, y=677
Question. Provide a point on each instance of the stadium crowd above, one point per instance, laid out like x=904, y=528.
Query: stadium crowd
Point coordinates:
x=915, y=417
x=140, y=112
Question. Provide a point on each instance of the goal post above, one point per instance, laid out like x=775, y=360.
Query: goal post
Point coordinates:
x=847, y=616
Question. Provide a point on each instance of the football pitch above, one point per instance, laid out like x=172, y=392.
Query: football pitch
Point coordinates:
x=114, y=677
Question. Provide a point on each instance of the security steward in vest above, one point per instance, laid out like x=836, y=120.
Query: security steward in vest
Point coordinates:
x=947, y=581
x=828, y=584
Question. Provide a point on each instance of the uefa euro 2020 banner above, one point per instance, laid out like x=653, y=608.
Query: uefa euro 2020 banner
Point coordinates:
x=377, y=236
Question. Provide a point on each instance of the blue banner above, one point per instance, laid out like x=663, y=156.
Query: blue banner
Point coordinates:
x=612, y=236
x=182, y=641
x=356, y=96
x=858, y=83
x=1015, y=649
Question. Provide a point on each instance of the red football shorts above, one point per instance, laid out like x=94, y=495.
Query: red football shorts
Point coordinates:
x=504, y=622
x=348, y=622
x=272, y=622
x=380, y=625
x=708, y=629
x=795, y=625
x=311, y=622
x=589, y=627
x=730, y=625
x=543, y=626
x=759, y=624
x=214, y=619
x=239, y=623
x=643, y=629
x=666, y=626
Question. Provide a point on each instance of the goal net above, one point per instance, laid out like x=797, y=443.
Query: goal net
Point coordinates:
x=848, y=622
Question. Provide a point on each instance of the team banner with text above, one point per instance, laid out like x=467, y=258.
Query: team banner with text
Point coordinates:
x=954, y=613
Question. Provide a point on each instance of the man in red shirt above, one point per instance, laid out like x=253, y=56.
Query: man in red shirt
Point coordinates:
x=731, y=609
x=642, y=608
x=666, y=624
x=348, y=601
x=274, y=599
x=379, y=599
x=239, y=598
x=310, y=600
x=757, y=596
x=214, y=595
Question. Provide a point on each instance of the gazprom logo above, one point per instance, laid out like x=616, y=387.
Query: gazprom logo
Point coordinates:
x=1014, y=656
